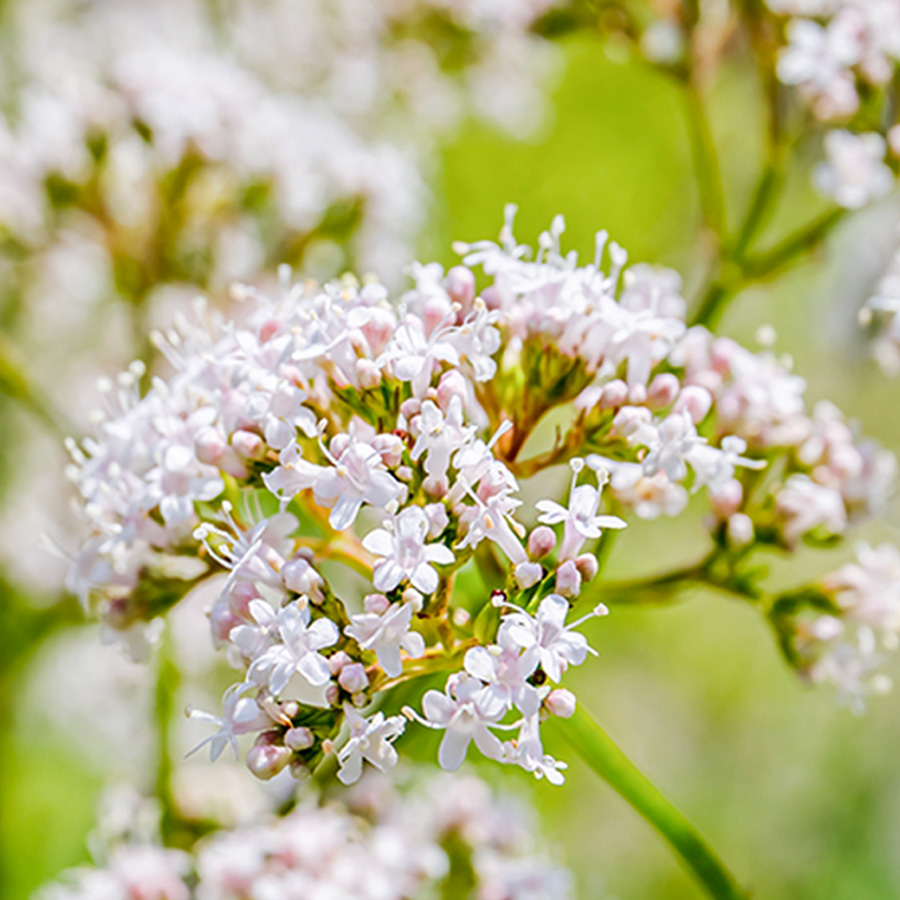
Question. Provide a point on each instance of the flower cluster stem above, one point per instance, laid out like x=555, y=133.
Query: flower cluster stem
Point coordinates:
x=599, y=751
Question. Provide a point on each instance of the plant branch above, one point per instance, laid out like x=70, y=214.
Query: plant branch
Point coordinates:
x=599, y=751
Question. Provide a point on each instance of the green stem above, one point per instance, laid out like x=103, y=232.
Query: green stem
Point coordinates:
x=165, y=690
x=706, y=162
x=599, y=751
x=16, y=384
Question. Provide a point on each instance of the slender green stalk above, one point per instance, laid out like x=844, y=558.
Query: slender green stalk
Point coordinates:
x=706, y=162
x=15, y=383
x=166, y=688
x=598, y=750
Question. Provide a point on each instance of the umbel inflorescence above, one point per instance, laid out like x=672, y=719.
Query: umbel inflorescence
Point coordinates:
x=340, y=461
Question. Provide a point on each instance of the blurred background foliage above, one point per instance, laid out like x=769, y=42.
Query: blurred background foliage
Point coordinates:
x=801, y=798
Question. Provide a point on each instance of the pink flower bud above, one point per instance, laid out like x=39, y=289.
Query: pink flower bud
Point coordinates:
x=353, y=678
x=299, y=576
x=265, y=761
x=299, y=738
x=209, y=445
x=740, y=530
x=390, y=447
x=337, y=661
x=221, y=621
x=561, y=703
x=696, y=400
x=248, y=444
x=376, y=603
x=589, y=398
x=435, y=486
x=663, y=390
x=615, y=394
x=367, y=374
x=460, y=285
x=726, y=501
x=409, y=409
x=411, y=595
x=438, y=520
x=332, y=694
x=541, y=541
x=587, y=566
x=568, y=579
x=452, y=384
x=492, y=297
x=434, y=311
x=528, y=574
x=637, y=394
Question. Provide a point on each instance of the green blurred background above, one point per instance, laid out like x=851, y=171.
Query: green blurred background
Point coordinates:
x=800, y=797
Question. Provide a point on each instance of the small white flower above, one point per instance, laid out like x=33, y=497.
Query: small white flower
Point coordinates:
x=371, y=740
x=853, y=173
x=240, y=715
x=387, y=634
x=299, y=650
x=404, y=553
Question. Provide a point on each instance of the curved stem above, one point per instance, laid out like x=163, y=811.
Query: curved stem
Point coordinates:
x=165, y=689
x=599, y=751
x=706, y=161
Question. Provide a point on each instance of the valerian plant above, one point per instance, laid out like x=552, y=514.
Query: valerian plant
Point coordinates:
x=334, y=429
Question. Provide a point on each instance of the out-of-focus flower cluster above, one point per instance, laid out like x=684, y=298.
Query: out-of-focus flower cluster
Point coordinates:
x=336, y=459
x=150, y=151
x=378, y=843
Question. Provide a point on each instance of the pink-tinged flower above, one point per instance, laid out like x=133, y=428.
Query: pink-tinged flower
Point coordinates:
x=293, y=474
x=299, y=650
x=457, y=712
x=404, y=553
x=505, y=671
x=581, y=521
x=356, y=476
x=370, y=740
x=440, y=436
x=387, y=634
x=240, y=715
x=558, y=645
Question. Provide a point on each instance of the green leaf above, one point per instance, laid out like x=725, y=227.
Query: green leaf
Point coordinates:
x=599, y=751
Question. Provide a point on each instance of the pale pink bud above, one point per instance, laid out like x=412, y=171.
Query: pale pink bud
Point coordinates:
x=379, y=329
x=587, y=566
x=289, y=708
x=209, y=445
x=492, y=297
x=561, y=703
x=390, y=447
x=412, y=596
x=221, y=621
x=615, y=394
x=299, y=738
x=353, y=678
x=589, y=398
x=460, y=285
x=332, y=694
x=629, y=418
x=568, y=579
x=663, y=390
x=337, y=661
x=367, y=374
x=727, y=500
x=265, y=761
x=541, y=541
x=339, y=444
x=637, y=394
x=740, y=530
x=528, y=574
x=248, y=444
x=452, y=384
x=299, y=576
x=435, y=486
x=409, y=409
x=434, y=311
x=438, y=520
x=376, y=604
x=696, y=400
x=404, y=473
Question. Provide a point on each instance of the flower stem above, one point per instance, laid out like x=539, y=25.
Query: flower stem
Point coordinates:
x=165, y=689
x=598, y=750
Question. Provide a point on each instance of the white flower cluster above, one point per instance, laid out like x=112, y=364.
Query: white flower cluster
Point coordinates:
x=330, y=425
x=840, y=628
x=380, y=843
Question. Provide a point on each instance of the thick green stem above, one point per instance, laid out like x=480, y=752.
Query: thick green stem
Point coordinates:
x=598, y=750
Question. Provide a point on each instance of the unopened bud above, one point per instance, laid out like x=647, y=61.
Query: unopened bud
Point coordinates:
x=587, y=566
x=353, y=678
x=299, y=738
x=376, y=604
x=615, y=394
x=561, y=703
x=663, y=390
x=528, y=574
x=541, y=541
x=337, y=661
x=265, y=761
x=568, y=579
x=367, y=374
x=209, y=445
x=460, y=285
x=332, y=694
x=740, y=530
x=248, y=444
x=696, y=401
